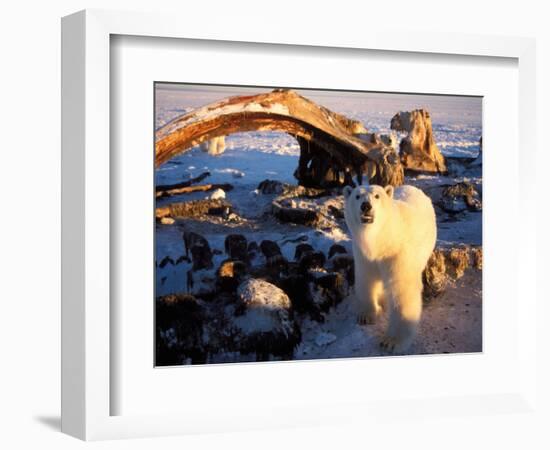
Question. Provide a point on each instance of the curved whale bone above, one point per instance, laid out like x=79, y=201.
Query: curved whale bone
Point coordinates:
x=328, y=140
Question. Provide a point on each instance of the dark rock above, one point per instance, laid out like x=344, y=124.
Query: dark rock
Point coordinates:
x=336, y=249
x=477, y=257
x=295, y=285
x=179, y=330
x=230, y=274
x=457, y=260
x=460, y=197
x=198, y=246
x=434, y=276
x=236, y=247
x=270, y=248
x=312, y=260
x=449, y=264
x=452, y=205
x=343, y=263
x=336, y=213
x=271, y=187
x=253, y=249
x=272, y=253
x=313, y=292
x=328, y=290
x=264, y=321
x=302, y=249
x=461, y=189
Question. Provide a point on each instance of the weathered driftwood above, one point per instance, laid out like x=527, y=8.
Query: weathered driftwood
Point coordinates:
x=197, y=208
x=377, y=138
x=418, y=149
x=168, y=187
x=331, y=137
x=286, y=190
x=189, y=189
x=301, y=216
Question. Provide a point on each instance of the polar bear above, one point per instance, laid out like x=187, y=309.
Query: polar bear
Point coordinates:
x=394, y=233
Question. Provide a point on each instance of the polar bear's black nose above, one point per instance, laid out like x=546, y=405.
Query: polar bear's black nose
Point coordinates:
x=366, y=206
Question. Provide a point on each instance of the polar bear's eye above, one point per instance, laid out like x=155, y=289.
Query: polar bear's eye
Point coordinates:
x=376, y=196
x=357, y=196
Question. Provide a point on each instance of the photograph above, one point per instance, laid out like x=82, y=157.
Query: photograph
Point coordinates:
x=294, y=223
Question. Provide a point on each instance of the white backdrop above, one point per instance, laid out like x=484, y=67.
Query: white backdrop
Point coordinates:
x=30, y=181
x=141, y=389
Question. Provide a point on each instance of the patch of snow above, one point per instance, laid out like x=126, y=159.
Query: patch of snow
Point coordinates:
x=323, y=339
x=266, y=308
x=169, y=337
x=260, y=293
x=217, y=194
x=234, y=172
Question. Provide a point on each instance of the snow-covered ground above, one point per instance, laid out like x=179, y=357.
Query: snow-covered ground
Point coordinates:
x=253, y=157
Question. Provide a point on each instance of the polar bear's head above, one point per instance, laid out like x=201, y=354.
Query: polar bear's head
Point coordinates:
x=367, y=207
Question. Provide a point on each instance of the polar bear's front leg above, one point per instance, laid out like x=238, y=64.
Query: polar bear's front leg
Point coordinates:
x=369, y=291
x=405, y=313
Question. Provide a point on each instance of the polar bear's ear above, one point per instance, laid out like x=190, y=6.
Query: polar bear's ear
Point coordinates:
x=389, y=191
x=347, y=191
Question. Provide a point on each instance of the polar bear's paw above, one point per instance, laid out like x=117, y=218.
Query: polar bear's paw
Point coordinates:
x=394, y=345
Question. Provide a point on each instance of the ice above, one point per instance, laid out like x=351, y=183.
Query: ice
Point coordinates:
x=235, y=173
x=217, y=194
x=323, y=339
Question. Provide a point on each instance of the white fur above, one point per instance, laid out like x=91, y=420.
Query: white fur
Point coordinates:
x=390, y=254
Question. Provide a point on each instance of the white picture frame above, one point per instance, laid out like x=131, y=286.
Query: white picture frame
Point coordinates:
x=87, y=385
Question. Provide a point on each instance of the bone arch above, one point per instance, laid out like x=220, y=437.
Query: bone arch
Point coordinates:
x=331, y=134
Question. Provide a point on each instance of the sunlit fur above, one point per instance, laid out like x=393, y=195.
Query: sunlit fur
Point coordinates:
x=390, y=254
